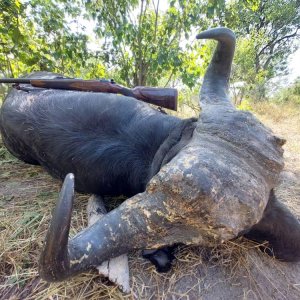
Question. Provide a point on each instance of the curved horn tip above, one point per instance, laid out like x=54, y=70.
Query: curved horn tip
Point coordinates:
x=217, y=33
x=54, y=259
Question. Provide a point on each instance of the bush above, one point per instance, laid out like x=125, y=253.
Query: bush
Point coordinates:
x=245, y=105
x=290, y=94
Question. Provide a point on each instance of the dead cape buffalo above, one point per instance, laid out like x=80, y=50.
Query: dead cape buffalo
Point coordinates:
x=189, y=181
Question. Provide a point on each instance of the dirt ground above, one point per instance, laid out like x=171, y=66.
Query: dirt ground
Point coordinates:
x=235, y=270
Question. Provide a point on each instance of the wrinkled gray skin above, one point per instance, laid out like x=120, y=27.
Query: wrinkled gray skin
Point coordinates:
x=191, y=182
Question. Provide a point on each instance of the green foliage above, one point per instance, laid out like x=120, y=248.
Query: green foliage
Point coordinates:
x=245, y=105
x=149, y=46
x=290, y=94
x=35, y=35
x=147, y=42
x=267, y=31
x=12, y=31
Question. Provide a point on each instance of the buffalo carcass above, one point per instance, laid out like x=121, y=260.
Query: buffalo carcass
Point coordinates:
x=190, y=181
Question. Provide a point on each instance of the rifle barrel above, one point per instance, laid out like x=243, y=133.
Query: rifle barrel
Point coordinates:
x=15, y=80
x=51, y=81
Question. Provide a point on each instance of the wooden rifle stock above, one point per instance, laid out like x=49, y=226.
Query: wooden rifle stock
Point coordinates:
x=164, y=97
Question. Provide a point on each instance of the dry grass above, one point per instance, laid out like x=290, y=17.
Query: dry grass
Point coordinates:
x=285, y=122
x=235, y=270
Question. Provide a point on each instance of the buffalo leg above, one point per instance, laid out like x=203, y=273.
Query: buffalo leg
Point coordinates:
x=280, y=228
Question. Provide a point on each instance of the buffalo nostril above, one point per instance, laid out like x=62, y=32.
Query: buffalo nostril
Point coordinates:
x=161, y=259
x=279, y=141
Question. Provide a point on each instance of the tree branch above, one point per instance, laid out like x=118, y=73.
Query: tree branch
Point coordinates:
x=156, y=18
x=169, y=79
x=287, y=36
x=275, y=42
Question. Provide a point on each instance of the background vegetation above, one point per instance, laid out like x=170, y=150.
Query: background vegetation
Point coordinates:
x=150, y=42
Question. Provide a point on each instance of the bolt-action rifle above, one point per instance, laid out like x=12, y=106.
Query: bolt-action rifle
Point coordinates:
x=164, y=97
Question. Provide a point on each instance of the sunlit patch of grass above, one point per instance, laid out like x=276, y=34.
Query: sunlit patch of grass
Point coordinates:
x=276, y=112
x=5, y=156
x=245, y=105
